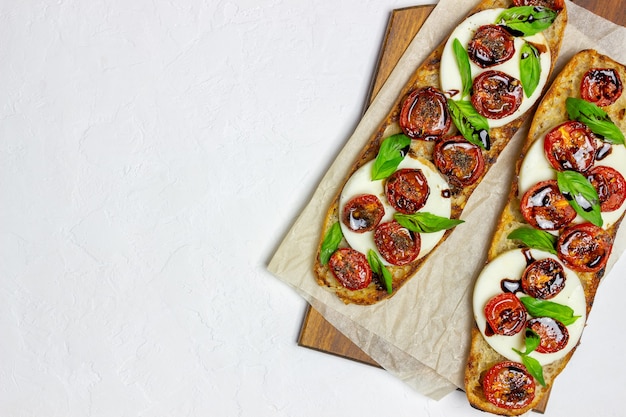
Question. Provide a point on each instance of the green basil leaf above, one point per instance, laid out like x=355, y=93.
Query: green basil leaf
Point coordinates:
x=530, y=68
x=424, y=222
x=462, y=60
x=534, y=238
x=531, y=340
x=581, y=195
x=390, y=154
x=527, y=20
x=379, y=269
x=595, y=118
x=534, y=368
x=331, y=242
x=546, y=308
x=473, y=126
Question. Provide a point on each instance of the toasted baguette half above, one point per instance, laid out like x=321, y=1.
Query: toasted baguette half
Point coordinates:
x=427, y=74
x=550, y=112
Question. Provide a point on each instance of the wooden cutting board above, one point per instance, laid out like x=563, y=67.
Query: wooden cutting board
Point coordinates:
x=317, y=333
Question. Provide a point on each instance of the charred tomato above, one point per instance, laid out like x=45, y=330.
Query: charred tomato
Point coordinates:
x=570, y=145
x=424, y=114
x=601, y=86
x=407, y=190
x=553, y=335
x=491, y=45
x=584, y=247
x=505, y=314
x=397, y=244
x=543, y=279
x=610, y=185
x=363, y=213
x=509, y=385
x=496, y=94
x=545, y=208
x=351, y=268
x=461, y=161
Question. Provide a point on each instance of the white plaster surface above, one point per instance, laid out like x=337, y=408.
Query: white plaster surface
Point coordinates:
x=152, y=156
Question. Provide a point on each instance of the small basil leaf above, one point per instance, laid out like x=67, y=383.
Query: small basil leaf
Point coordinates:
x=531, y=340
x=392, y=151
x=595, y=118
x=534, y=238
x=330, y=243
x=379, y=269
x=581, y=195
x=462, y=60
x=424, y=222
x=473, y=126
x=530, y=68
x=545, y=308
x=534, y=368
x=527, y=20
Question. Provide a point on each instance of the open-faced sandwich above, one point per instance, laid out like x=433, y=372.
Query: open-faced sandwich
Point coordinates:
x=553, y=239
x=408, y=187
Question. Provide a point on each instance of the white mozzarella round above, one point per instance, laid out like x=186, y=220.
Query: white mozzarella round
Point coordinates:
x=536, y=168
x=361, y=183
x=450, y=77
x=511, y=265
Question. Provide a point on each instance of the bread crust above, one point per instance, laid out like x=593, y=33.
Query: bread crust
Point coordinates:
x=427, y=74
x=550, y=112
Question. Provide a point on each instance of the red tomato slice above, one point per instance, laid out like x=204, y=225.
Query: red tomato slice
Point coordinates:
x=543, y=279
x=397, y=244
x=553, y=334
x=509, y=385
x=545, y=208
x=407, y=190
x=601, y=86
x=505, y=313
x=363, y=213
x=424, y=114
x=459, y=160
x=491, y=45
x=610, y=185
x=570, y=145
x=496, y=94
x=584, y=247
x=552, y=4
x=350, y=268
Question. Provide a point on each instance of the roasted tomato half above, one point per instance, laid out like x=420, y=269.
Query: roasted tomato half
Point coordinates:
x=570, y=145
x=491, y=45
x=610, y=185
x=553, y=335
x=351, y=268
x=601, y=86
x=363, y=213
x=397, y=244
x=496, y=94
x=556, y=5
x=407, y=190
x=424, y=114
x=505, y=313
x=543, y=279
x=544, y=207
x=584, y=247
x=459, y=160
x=509, y=385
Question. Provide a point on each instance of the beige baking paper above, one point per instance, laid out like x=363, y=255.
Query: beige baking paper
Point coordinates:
x=421, y=334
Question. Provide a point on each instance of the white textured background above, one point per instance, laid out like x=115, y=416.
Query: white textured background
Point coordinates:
x=152, y=156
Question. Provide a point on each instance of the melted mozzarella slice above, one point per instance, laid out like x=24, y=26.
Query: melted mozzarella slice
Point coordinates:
x=450, y=77
x=361, y=183
x=536, y=168
x=511, y=265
